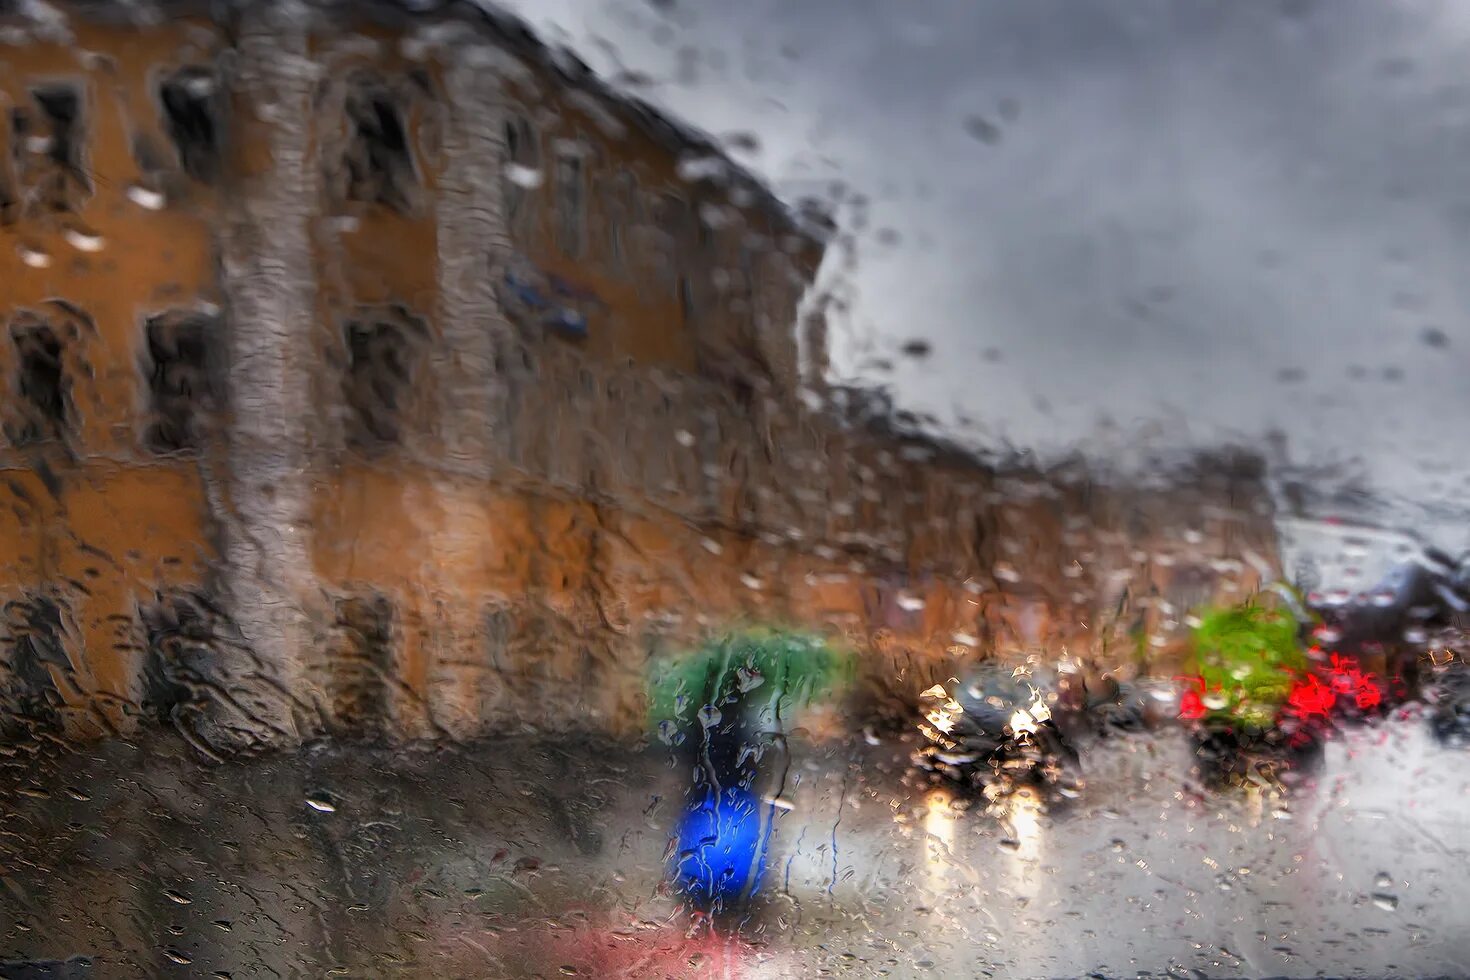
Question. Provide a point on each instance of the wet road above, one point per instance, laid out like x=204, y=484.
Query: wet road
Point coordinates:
x=524, y=858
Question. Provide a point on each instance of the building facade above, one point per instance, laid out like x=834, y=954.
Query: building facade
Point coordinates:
x=388, y=373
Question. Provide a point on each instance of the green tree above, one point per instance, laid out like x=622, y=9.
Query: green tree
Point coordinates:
x=1247, y=657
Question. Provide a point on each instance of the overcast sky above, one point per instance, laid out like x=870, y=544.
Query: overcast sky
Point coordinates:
x=1184, y=221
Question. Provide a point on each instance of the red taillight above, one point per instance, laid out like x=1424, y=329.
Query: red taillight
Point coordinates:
x=1368, y=696
x=1349, y=680
x=1309, y=697
x=1191, y=706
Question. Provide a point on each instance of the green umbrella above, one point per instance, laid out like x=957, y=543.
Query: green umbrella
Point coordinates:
x=777, y=670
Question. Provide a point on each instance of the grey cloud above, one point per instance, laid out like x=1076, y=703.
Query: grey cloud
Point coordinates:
x=1187, y=203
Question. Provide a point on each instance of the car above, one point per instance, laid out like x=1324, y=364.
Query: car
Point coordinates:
x=996, y=726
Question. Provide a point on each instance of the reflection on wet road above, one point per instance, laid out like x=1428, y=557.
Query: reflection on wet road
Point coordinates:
x=521, y=858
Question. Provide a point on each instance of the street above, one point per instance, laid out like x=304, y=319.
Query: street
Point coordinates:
x=522, y=858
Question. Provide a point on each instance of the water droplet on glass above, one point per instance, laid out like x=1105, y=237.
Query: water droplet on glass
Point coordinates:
x=33, y=256
x=742, y=142
x=321, y=802
x=83, y=240
x=1382, y=598
x=982, y=129
x=522, y=176
x=1434, y=337
x=146, y=198
x=747, y=679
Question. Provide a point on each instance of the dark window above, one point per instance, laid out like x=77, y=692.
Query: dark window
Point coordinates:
x=672, y=220
x=181, y=379
x=619, y=203
x=41, y=384
x=362, y=670
x=571, y=203
x=9, y=195
x=520, y=141
x=688, y=306
x=46, y=145
x=1190, y=587
x=35, y=649
x=749, y=319
x=378, y=162
x=191, y=116
x=706, y=235
x=182, y=633
x=748, y=272
x=382, y=350
x=523, y=160
x=499, y=631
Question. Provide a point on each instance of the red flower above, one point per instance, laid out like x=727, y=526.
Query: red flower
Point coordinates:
x=1309, y=696
x=1191, y=705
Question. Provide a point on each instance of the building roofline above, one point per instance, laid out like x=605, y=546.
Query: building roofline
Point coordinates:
x=806, y=218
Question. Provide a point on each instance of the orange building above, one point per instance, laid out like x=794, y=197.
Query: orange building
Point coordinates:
x=384, y=372
x=294, y=305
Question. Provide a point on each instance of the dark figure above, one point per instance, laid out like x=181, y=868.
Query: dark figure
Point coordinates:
x=737, y=764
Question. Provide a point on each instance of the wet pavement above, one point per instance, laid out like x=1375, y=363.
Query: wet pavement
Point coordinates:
x=522, y=858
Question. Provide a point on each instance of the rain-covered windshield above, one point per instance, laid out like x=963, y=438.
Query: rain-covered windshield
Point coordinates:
x=672, y=488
